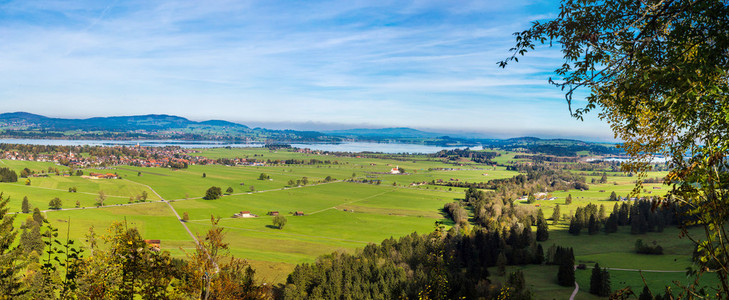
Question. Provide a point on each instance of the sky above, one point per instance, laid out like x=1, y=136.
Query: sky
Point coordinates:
x=308, y=65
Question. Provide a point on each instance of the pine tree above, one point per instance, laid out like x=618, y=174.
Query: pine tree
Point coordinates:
x=613, y=197
x=31, y=239
x=596, y=280
x=556, y=215
x=568, y=200
x=501, y=264
x=539, y=256
x=575, y=227
x=37, y=216
x=593, y=226
x=566, y=271
x=25, y=207
x=624, y=215
x=542, y=228
x=605, y=288
x=611, y=225
x=10, y=258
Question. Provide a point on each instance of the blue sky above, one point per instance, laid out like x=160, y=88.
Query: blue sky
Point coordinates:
x=297, y=64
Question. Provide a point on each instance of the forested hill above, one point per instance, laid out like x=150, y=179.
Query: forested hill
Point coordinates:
x=23, y=120
x=27, y=125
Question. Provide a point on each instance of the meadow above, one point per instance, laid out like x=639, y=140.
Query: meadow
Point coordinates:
x=339, y=215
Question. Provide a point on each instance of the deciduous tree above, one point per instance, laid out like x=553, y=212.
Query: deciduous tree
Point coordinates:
x=658, y=73
x=214, y=192
x=55, y=203
x=279, y=221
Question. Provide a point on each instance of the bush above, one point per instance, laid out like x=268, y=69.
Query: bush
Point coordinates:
x=642, y=248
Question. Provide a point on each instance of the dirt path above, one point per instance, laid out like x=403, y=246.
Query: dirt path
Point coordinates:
x=574, y=293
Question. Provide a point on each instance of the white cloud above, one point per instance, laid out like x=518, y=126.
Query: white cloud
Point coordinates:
x=421, y=63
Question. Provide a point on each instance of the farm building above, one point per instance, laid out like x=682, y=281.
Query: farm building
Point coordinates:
x=272, y=213
x=244, y=214
x=395, y=170
x=153, y=244
x=93, y=175
x=299, y=213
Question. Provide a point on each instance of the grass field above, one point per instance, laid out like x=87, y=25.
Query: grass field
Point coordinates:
x=340, y=216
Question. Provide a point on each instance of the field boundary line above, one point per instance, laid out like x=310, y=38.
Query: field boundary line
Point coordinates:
x=639, y=270
x=288, y=234
x=61, y=190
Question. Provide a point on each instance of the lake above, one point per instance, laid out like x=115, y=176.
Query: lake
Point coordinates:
x=338, y=147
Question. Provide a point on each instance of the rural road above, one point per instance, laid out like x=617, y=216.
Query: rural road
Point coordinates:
x=179, y=219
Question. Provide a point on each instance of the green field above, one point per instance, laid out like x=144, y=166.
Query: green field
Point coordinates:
x=339, y=216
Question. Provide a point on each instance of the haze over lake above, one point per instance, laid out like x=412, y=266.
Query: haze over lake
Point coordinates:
x=339, y=147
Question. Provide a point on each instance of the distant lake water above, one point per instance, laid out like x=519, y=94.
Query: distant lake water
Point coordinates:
x=338, y=147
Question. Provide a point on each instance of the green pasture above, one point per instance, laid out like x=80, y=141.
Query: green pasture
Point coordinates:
x=153, y=220
x=43, y=189
x=39, y=167
x=340, y=216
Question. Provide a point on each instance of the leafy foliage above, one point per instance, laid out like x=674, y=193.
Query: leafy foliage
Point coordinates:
x=214, y=192
x=658, y=72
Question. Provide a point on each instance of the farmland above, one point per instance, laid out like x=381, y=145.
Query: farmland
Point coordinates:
x=341, y=214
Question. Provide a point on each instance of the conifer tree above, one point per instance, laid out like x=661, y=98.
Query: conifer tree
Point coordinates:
x=566, y=271
x=25, y=207
x=539, y=256
x=10, y=258
x=501, y=264
x=611, y=225
x=593, y=227
x=37, y=216
x=600, y=281
x=596, y=280
x=556, y=214
x=542, y=228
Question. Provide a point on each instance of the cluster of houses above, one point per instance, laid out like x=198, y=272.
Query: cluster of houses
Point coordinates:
x=142, y=156
x=538, y=196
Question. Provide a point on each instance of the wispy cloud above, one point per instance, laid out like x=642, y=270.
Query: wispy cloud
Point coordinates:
x=388, y=63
